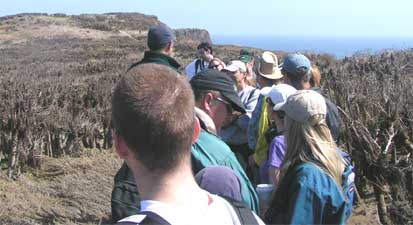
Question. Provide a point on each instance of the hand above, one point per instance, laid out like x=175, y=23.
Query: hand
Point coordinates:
x=251, y=161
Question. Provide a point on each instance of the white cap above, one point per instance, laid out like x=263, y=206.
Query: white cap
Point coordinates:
x=304, y=104
x=236, y=65
x=278, y=94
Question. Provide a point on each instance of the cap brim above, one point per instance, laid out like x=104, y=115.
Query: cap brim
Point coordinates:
x=279, y=106
x=231, y=68
x=265, y=91
x=235, y=101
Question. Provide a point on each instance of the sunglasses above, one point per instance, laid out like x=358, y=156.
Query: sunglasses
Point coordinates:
x=229, y=107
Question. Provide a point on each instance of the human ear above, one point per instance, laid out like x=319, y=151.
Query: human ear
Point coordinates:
x=121, y=147
x=197, y=130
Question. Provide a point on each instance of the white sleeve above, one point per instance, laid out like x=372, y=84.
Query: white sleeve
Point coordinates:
x=190, y=69
x=259, y=220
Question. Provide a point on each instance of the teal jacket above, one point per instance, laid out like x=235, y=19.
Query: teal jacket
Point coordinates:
x=307, y=195
x=209, y=150
x=158, y=58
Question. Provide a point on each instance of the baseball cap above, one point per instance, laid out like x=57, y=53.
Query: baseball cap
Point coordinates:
x=278, y=94
x=236, y=65
x=304, y=104
x=220, y=180
x=159, y=35
x=245, y=56
x=215, y=80
x=294, y=61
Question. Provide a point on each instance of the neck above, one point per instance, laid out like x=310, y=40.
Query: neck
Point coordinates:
x=175, y=187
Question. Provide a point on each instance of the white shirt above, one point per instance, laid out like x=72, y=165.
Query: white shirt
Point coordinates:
x=190, y=68
x=217, y=211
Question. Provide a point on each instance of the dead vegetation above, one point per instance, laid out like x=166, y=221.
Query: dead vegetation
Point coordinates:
x=55, y=94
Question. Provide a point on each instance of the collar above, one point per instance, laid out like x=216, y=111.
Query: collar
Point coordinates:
x=206, y=121
x=155, y=54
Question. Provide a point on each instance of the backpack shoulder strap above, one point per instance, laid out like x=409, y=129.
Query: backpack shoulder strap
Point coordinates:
x=244, y=214
x=251, y=94
x=198, y=64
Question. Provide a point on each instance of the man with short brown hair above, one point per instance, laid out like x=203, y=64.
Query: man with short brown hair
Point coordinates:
x=154, y=128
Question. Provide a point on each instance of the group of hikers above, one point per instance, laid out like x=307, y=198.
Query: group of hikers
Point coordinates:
x=197, y=145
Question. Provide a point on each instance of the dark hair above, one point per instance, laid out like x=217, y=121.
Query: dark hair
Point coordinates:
x=206, y=46
x=153, y=111
x=300, y=75
x=280, y=114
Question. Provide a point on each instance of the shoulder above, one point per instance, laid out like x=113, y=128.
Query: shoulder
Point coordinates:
x=191, y=64
x=240, y=213
x=130, y=220
x=314, y=178
x=210, y=139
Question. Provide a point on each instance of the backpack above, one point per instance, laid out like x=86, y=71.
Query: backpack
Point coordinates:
x=244, y=215
x=199, y=66
x=125, y=200
x=348, y=183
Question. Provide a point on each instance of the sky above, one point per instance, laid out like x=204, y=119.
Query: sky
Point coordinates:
x=313, y=18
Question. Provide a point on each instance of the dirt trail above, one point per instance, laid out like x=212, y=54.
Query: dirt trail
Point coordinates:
x=77, y=191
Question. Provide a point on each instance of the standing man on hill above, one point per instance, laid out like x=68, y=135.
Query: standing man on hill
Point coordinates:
x=161, y=45
x=153, y=132
x=204, y=56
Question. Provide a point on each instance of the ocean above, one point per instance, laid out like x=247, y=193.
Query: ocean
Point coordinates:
x=338, y=47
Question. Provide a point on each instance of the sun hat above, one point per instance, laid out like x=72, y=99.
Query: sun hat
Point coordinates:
x=268, y=67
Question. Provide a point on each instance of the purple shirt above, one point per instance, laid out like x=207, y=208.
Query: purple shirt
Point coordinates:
x=275, y=157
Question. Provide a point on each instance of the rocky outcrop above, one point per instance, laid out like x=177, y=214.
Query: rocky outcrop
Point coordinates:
x=192, y=35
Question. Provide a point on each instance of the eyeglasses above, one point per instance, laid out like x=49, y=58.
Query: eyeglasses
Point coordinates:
x=229, y=107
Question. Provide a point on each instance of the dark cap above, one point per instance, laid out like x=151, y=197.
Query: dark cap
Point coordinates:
x=245, y=56
x=220, y=180
x=215, y=80
x=159, y=36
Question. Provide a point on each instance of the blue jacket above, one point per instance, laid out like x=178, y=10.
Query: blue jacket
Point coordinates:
x=307, y=195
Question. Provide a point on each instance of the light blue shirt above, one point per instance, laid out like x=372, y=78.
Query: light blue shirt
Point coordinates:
x=235, y=133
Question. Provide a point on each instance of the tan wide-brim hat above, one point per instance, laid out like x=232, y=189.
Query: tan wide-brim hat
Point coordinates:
x=269, y=66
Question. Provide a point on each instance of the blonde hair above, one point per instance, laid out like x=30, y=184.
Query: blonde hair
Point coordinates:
x=313, y=136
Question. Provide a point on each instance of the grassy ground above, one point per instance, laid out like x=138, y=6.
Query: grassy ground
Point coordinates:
x=62, y=191
x=77, y=191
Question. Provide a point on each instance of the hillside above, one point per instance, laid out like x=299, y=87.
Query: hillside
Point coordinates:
x=56, y=73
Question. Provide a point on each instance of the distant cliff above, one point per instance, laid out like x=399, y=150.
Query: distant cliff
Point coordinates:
x=192, y=35
x=96, y=26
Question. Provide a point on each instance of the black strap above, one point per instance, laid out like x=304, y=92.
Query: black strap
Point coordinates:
x=153, y=218
x=244, y=213
x=199, y=64
x=251, y=94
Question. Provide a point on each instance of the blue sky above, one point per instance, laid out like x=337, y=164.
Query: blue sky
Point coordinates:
x=319, y=18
